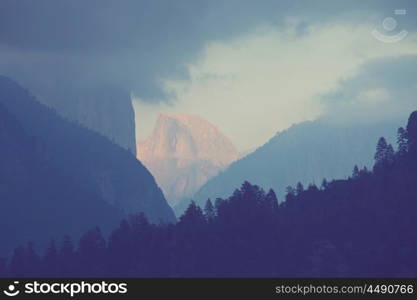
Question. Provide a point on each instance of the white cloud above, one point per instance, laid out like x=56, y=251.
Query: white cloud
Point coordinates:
x=262, y=82
x=374, y=96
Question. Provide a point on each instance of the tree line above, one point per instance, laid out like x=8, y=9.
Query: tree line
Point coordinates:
x=361, y=226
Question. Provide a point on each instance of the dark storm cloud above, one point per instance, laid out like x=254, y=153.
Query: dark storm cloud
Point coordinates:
x=61, y=44
x=129, y=43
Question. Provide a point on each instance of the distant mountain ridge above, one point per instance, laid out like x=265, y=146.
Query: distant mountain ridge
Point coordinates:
x=96, y=167
x=183, y=152
x=306, y=153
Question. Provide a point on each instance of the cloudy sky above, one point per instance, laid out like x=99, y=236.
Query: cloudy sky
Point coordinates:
x=250, y=67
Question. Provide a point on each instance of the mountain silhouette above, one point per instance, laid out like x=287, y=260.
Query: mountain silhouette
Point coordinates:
x=81, y=174
x=307, y=152
x=362, y=226
x=37, y=201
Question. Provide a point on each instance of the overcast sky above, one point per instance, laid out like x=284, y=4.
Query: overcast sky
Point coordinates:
x=250, y=67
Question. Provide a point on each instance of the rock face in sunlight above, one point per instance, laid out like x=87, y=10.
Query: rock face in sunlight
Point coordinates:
x=183, y=152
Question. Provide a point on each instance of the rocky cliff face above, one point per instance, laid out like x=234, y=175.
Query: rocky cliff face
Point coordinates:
x=91, y=160
x=183, y=152
x=107, y=110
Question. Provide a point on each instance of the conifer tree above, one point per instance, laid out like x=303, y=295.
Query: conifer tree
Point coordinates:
x=209, y=211
x=402, y=141
x=50, y=260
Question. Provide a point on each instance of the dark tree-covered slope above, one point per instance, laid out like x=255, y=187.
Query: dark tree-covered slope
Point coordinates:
x=306, y=152
x=37, y=201
x=363, y=226
x=89, y=160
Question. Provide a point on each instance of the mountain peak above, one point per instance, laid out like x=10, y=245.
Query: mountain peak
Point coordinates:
x=183, y=152
x=187, y=136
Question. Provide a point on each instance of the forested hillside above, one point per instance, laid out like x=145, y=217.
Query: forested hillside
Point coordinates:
x=362, y=226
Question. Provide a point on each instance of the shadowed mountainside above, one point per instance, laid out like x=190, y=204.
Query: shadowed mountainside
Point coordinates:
x=92, y=162
x=363, y=226
x=306, y=152
x=37, y=201
x=105, y=109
